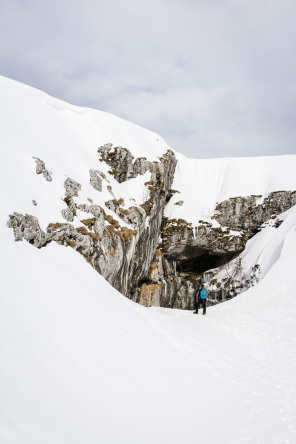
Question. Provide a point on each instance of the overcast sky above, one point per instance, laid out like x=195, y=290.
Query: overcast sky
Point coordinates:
x=215, y=78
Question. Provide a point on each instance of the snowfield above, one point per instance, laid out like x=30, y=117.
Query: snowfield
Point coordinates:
x=80, y=363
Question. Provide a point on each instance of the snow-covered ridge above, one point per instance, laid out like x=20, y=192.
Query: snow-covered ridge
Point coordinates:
x=66, y=138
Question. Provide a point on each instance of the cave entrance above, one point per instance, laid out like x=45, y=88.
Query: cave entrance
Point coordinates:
x=198, y=260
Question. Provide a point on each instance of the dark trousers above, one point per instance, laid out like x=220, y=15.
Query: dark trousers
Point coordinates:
x=203, y=303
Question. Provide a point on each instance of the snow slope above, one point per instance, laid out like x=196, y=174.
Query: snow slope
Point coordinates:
x=203, y=183
x=79, y=363
x=262, y=250
x=66, y=138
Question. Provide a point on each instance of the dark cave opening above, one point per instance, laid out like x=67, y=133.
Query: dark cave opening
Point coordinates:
x=198, y=260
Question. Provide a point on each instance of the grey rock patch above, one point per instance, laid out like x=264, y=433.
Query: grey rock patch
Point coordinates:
x=67, y=215
x=47, y=175
x=95, y=180
x=180, y=203
x=27, y=227
x=34, y=202
x=40, y=165
x=83, y=207
x=72, y=188
x=103, y=176
x=96, y=210
x=110, y=191
x=41, y=169
x=244, y=213
x=123, y=164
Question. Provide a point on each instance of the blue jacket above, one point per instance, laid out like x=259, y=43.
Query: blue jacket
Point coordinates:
x=203, y=293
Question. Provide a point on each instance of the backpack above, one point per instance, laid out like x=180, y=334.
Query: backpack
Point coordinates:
x=203, y=293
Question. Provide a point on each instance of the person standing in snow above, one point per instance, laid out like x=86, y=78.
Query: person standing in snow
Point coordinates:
x=201, y=300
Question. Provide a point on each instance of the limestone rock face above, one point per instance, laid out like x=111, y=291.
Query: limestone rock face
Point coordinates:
x=241, y=213
x=122, y=254
x=188, y=253
x=149, y=258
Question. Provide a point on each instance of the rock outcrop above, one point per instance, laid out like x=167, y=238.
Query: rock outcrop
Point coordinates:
x=41, y=169
x=248, y=213
x=191, y=255
x=120, y=249
x=150, y=258
x=27, y=227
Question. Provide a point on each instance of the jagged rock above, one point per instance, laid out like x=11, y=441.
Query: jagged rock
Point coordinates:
x=248, y=213
x=114, y=204
x=72, y=188
x=40, y=169
x=122, y=255
x=67, y=215
x=180, y=203
x=96, y=179
x=70, y=212
x=109, y=188
x=34, y=203
x=27, y=227
x=83, y=207
x=123, y=164
x=96, y=210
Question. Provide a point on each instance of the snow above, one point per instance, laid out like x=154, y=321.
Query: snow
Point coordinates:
x=66, y=138
x=81, y=363
x=262, y=251
x=203, y=183
x=264, y=248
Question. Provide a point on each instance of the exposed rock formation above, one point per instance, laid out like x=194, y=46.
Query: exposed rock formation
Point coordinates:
x=187, y=253
x=146, y=256
x=96, y=179
x=124, y=167
x=123, y=164
x=27, y=227
x=72, y=188
x=121, y=250
x=241, y=213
